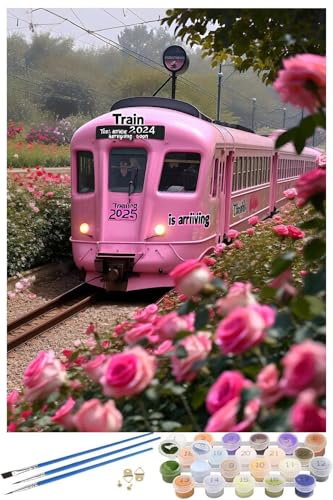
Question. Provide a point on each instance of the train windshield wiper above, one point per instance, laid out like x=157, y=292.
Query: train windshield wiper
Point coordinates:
x=132, y=182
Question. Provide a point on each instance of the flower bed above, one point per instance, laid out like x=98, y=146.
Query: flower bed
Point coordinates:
x=21, y=154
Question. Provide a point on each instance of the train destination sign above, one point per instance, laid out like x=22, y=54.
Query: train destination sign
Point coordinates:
x=130, y=132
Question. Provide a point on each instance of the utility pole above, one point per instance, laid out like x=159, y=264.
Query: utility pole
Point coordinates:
x=254, y=102
x=284, y=118
x=219, y=91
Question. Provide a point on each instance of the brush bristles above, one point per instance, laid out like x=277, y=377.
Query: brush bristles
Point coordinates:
x=7, y=474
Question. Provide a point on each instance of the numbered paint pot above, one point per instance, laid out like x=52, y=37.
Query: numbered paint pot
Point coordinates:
x=186, y=457
x=320, y=468
x=317, y=443
x=274, y=484
x=289, y=468
x=199, y=470
x=201, y=449
x=288, y=442
x=231, y=442
x=204, y=436
x=274, y=454
x=304, y=485
x=178, y=438
x=245, y=454
x=259, y=468
x=244, y=485
x=170, y=470
x=214, y=486
x=169, y=448
x=259, y=443
x=230, y=468
x=217, y=455
x=184, y=486
x=304, y=455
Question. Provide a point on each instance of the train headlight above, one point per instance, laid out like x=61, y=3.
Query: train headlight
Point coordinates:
x=84, y=228
x=160, y=229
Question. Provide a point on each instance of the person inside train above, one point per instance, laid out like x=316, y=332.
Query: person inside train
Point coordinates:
x=123, y=175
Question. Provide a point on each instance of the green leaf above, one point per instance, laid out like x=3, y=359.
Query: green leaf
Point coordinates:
x=307, y=307
x=315, y=283
x=246, y=396
x=201, y=318
x=198, y=397
x=283, y=324
x=181, y=352
x=282, y=262
x=314, y=249
x=315, y=223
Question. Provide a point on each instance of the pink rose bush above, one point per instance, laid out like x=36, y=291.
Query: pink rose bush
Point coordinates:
x=306, y=415
x=93, y=416
x=311, y=184
x=191, y=276
x=290, y=194
x=44, y=375
x=197, y=348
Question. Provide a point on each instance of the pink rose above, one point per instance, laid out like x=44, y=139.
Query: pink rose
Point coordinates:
x=63, y=416
x=148, y=314
x=303, y=273
x=304, y=368
x=239, y=294
x=12, y=398
x=253, y=221
x=281, y=230
x=295, y=233
x=306, y=415
x=311, y=184
x=93, y=416
x=43, y=376
x=242, y=329
x=219, y=249
x=170, y=324
x=232, y=234
x=250, y=231
x=268, y=383
x=191, y=276
x=238, y=244
x=95, y=367
x=228, y=386
x=321, y=160
x=290, y=194
x=139, y=332
x=277, y=219
x=197, y=347
x=11, y=295
x=91, y=328
x=128, y=372
x=225, y=418
x=267, y=313
x=293, y=81
x=164, y=348
x=121, y=328
x=209, y=261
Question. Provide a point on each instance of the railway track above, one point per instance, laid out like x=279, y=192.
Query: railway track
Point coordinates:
x=55, y=311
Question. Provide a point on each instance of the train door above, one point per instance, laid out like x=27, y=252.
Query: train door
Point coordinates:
x=221, y=188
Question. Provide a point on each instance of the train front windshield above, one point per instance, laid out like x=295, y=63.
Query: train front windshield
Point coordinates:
x=127, y=167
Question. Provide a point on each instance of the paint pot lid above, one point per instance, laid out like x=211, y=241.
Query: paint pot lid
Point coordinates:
x=169, y=468
x=200, y=467
x=178, y=438
x=169, y=448
x=320, y=466
x=183, y=483
x=213, y=483
x=259, y=441
x=231, y=441
x=217, y=455
x=303, y=453
x=274, y=454
x=316, y=441
x=244, y=483
x=186, y=454
x=305, y=483
x=274, y=482
x=230, y=468
x=290, y=467
x=201, y=449
x=245, y=454
x=288, y=442
x=259, y=467
x=204, y=436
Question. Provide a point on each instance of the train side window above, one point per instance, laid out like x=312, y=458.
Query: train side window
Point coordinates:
x=265, y=160
x=245, y=164
x=85, y=172
x=269, y=161
x=234, y=176
x=239, y=173
x=215, y=181
x=180, y=172
x=249, y=167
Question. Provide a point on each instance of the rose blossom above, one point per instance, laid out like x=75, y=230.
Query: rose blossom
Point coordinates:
x=225, y=418
x=306, y=415
x=277, y=218
x=232, y=234
x=63, y=416
x=293, y=81
x=253, y=220
x=311, y=184
x=148, y=314
x=219, y=249
x=209, y=261
x=281, y=230
x=191, y=276
x=95, y=367
x=228, y=386
x=91, y=328
x=170, y=324
x=197, y=348
x=164, y=348
x=12, y=399
x=243, y=328
x=238, y=244
x=128, y=372
x=268, y=383
x=295, y=233
x=290, y=194
x=93, y=416
x=239, y=294
x=304, y=368
x=250, y=231
x=43, y=376
x=139, y=332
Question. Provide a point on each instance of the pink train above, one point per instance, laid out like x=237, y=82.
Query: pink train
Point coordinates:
x=155, y=183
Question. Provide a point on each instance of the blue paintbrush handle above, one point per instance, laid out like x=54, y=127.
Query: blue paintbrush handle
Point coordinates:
x=55, y=460
x=86, y=460
x=94, y=466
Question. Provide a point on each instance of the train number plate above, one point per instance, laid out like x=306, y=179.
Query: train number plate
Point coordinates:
x=130, y=132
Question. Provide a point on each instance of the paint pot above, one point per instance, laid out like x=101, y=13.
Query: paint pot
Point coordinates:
x=317, y=443
x=274, y=484
x=304, y=485
x=201, y=449
x=170, y=470
x=245, y=454
x=259, y=468
x=199, y=470
x=214, y=486
x=304, y=455
x=217, y=455
x=186, y=457
x=169, y=448
x=288, y=442
x=204, y=436
x=289, y=468
x=179, y=438
x=259, y=442
x=184, y=486
x=320, y=468
x=231, y=442
x=230, y=468
x=244, y=485
x=274, y=454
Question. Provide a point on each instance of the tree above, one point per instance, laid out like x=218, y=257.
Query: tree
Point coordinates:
x=149, y=44
x=64, y=98
x=44, y=46
x=257, y=38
